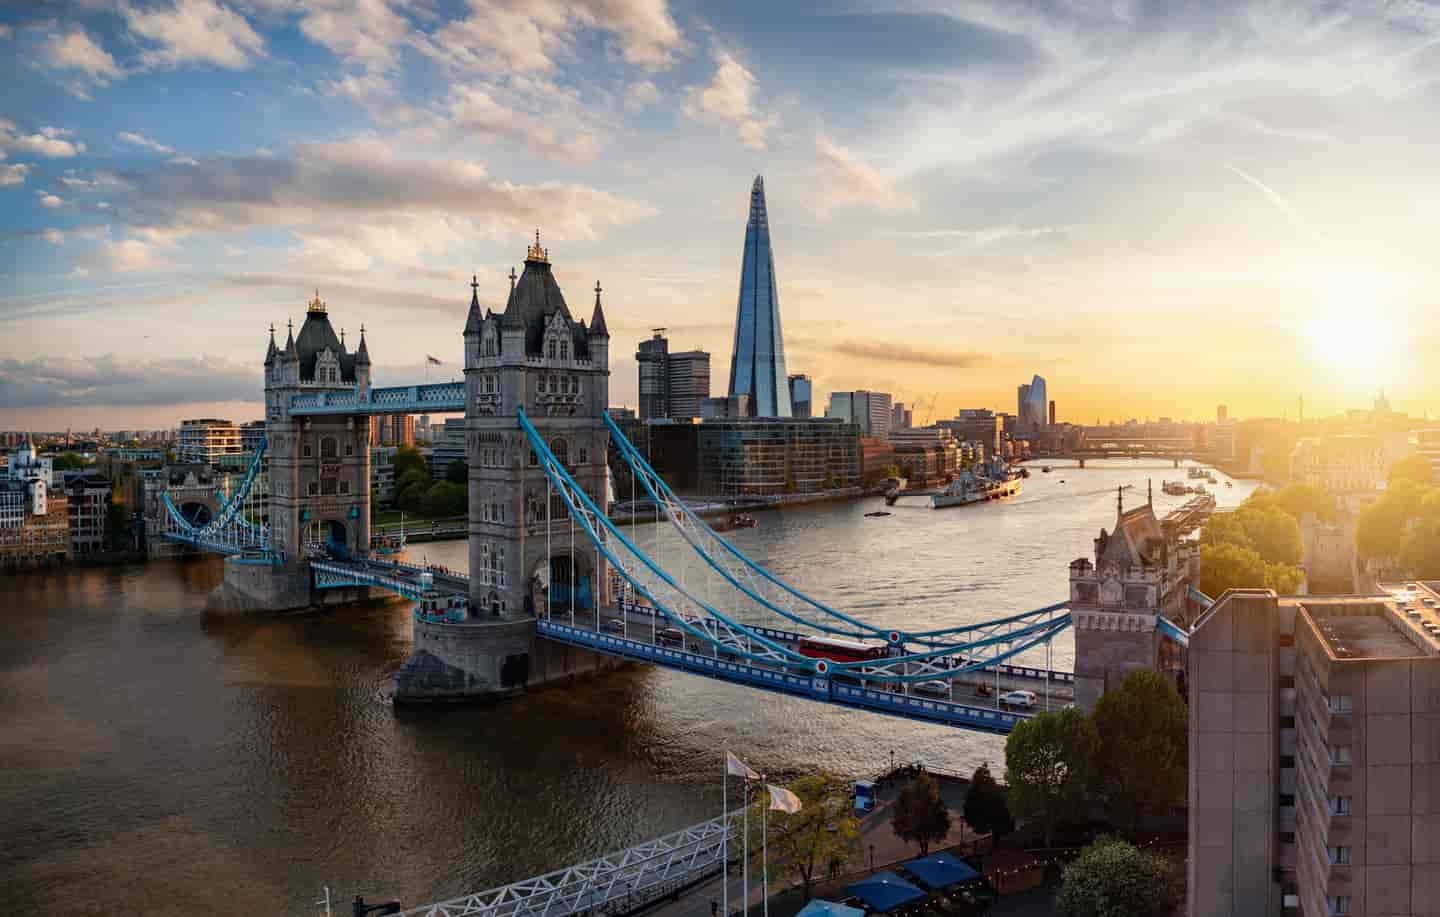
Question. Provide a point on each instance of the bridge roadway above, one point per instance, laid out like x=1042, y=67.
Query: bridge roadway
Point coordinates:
x=636, y=633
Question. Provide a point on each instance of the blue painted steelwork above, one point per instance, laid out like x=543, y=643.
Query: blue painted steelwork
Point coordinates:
x=813, y=687
x=1172, y=630
x=1201, y=599
x=229, y=532
x=662, y=495
x=401, y=399
x=570, y=491
x=334, y=575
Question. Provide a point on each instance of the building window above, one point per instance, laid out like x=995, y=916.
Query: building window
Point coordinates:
x=1287, y=761
x=1287, y=722
x=1341, y=703
x=1338, y=904
x=561, y=450
x=1340, y=754
x=313, y=488
x=349, y=449
x=534, y=460
x=550, y=349
x=344, y=487
x=564, y=350
x=327, y=487
x=1339, y=856
x=307, y=451
x=1339, y=805
x=583, y=457
x=327, y=447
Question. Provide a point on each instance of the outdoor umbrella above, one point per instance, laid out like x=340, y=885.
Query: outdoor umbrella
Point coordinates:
x=940, y=870
x=885, y=891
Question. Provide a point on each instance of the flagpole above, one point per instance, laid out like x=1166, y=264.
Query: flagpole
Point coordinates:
x=725, y=838
x=765, y=853
x=745, y=863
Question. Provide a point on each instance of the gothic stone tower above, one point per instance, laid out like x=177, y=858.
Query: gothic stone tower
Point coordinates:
x=538, y=356
x=319, y=466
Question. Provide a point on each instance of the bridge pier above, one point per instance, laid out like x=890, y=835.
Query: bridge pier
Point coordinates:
x=259, y=585
x=484, y=659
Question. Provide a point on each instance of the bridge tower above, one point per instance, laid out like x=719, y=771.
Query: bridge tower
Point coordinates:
x=539, y=356
x=319, y=467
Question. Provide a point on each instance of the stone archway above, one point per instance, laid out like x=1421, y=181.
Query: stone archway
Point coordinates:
x=562, y=576
x=196, y=512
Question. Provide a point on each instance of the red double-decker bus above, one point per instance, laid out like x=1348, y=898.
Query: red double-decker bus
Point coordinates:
x=838, y=650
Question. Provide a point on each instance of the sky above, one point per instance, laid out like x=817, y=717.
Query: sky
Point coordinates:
x=1158, y=206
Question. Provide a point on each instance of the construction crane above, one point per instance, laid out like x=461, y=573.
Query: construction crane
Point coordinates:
x=930, y=409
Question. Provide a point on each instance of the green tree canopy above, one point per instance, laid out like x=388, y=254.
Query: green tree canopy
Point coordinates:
x=1283, y=579
x=1229, y=566
x=68, y=461
x=407, y=458
x=1112, y=878
x=1047, y=766
x=1420, y=550
x=1141, y=762
x=1415, y=468
x=919, y=814
x=1299, y=499
x=1225, y=528
x=824, y=830
x=457, y=472
x=986, y=809
x=444, y=499
x=1273, y=533
x=1380, y=529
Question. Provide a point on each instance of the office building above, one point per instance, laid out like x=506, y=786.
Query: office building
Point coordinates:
x=757, y=363
x=776, y=456
x=87, y=497
x=392, y=430
x=34, y=521
x=251, y=435
x=671, y=384
x=1052, y=412
x=930, y=455
x=1341, y=464
x=900, y=416
x=1315, y=755
x=981, y=426
x=206, y=439
x=1221, y=413
x=449, y=448
x=382, y=474
x=801, y=395
x=1030, y=405
x=870, y=411
x=731, y=407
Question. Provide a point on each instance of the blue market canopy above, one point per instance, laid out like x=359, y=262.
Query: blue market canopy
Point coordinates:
x=886, y=891
x=820, y=908
x=941, y=870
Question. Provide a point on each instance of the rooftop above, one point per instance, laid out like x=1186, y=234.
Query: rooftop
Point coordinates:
x=1371, y=627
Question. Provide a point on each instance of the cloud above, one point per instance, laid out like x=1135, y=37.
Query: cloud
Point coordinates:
x=503, y=37
x=53, y=236
x=127, y=255
x=641, y=94
x=352, y=204
x=475, y=110
x=729, y=98
x=890, y=352
x=113, y=380
x=49, y=200
x=362, y=33
x=849, y=181
x=194, y=32
x=141, y=140
x=75, y=50
x=49, y=141
x=12, y=173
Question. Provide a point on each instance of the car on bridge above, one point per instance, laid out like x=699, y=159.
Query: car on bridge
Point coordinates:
x=613, y=625
x=671, y=636
x=1026, y=699
x=938, y=687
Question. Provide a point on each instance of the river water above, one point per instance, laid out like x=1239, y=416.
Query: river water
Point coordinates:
x=158, y=757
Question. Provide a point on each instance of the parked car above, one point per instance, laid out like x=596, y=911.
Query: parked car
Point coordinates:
x=936, y=688
x=613, y=625
x=1026, y=699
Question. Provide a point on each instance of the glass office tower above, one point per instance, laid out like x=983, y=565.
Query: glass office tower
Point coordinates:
x=757, y=366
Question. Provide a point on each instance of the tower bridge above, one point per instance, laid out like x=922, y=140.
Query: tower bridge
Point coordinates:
x=553, y=588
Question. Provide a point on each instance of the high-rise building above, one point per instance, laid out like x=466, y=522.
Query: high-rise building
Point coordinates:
x=207, y=439
x=773, y=456
x=980, y=426
x=1221, y=412
x=801, y=395
x=449, y=448
x=1315, y=754
x=870, y=411
x=1030, y=404
x=671, y=384
x=757, y=363
x=1052, y=412
x=901, y=417
x=250, y=435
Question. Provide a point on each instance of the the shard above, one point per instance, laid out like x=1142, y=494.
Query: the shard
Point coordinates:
x=757, y=365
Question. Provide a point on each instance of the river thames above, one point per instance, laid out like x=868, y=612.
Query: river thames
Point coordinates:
x=158, y=757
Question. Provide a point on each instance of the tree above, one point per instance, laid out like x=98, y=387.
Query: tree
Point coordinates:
x=1273, y=533
x=1414, y=468
x=407, y=458
x=1229, y=566
x=1420, y=551
x=68, y=461
x=1112, y=878
x=1380, y=529
x=985, y=807
x=457, y=472
x=1299, y=499
x=444, y=499
x=1142, y=759
x=1225, y=528
x=920, y=815
x=824, y=830
x=411, y=487
x=1283, y=579
x=1047, y=766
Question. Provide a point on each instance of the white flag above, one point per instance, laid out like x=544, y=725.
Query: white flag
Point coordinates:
x=737, y=768
x=782, y=800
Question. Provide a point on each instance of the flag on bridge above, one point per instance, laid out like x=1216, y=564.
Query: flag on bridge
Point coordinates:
x=737, y=768
x=782, y=800
x=432, y=361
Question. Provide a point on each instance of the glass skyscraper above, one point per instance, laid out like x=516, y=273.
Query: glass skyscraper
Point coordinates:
x=757, y=366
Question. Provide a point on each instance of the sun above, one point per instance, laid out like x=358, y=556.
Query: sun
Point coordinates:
x=1355, y=342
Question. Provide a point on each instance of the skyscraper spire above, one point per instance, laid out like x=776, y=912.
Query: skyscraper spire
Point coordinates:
x=757, y=363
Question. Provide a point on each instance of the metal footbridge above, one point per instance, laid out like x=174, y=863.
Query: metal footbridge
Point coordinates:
x=238, y=527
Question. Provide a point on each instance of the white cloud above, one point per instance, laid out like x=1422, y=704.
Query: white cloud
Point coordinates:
x=75, y=50
x=127, y=255
x=49, y=200
x=729, y=98
x=49, y=141
x=141, y=140
x=53, y=236
x=847, y=180
x=363, y=33
x=13, y=173
x=4, y=30
x=195, y=32
x=641, y=94
x=111, y=380
x=473, y=109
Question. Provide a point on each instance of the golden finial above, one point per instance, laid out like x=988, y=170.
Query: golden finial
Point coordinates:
x=536, y=253
x=316, y=305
